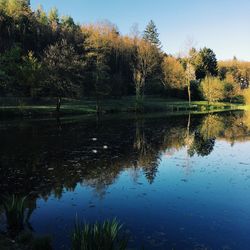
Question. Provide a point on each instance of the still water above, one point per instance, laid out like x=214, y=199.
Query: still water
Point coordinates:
x=175, y=182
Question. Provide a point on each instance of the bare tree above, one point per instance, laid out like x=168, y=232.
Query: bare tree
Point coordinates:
x=146, y=60
x=190, y=76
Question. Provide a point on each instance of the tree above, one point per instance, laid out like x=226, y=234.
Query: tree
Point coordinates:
x=41, y=15
x=54, y=19
x=99, y=47
x=151, y=34
x=205, y=64
x=212, y=126
x=173, y=73
x=31, y=70
x=189, y=65
x=190, y=76
x=64, y=71
x=201, y=146
x=15, y=7
x=212, y=89
x=145, y=62
x=231, y=88
x=10, y=62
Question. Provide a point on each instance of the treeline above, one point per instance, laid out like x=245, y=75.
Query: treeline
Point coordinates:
x=47, y=55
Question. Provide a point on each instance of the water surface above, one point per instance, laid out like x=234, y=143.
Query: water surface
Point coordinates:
x=175, y=182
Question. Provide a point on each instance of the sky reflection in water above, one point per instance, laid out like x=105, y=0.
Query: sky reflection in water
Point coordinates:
x=177, y=182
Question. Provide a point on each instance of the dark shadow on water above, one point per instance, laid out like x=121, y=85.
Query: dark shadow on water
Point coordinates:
x=48, y=157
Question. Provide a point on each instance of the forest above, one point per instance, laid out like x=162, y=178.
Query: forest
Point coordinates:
x=45, y=55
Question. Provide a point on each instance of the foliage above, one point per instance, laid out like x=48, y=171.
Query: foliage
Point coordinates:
x=145, y=63
x=201, y=146
x=151, y=34
x=173, y=72
x=212, y=89
x=45, y=54
x=65, y=69
x=246, y=95
x=10, y=71
x=205, y=64
x=31, y=74
x=212, y=126
x=236, y=71
x=16, y=213
x=105, y=236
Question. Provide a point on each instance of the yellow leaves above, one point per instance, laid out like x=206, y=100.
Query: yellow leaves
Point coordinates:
x=212, y=126
x=17, y=8
x=229, y=78
x=236, y=68
x=246, y=94
x=213, y=89
x=174, y=74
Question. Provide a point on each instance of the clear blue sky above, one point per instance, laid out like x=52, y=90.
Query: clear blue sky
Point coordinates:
x=223, y=25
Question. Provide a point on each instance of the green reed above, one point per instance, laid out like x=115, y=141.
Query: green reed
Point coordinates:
x=99, y=236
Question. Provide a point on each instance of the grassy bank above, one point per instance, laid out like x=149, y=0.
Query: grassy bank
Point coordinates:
x=46, y=107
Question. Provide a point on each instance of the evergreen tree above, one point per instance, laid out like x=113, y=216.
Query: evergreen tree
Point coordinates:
x=206, y=64
x=151, y=34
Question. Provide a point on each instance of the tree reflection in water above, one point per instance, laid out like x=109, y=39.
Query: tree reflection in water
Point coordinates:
x=43, y=159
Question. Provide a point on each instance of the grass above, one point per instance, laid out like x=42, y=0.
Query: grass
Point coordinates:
x=16, y=215
x=124, y=104
x=98, y=236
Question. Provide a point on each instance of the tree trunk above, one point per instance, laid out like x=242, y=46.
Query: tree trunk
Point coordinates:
x=58, y=104
x=189, y=95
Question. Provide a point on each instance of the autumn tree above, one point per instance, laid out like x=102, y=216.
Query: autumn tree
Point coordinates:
x=145, y=62
x=212, y=126
x=173, y=73
x=98, y=50
x=231, y=88
x=212, y=89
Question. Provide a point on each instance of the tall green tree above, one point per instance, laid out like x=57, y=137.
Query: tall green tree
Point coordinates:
x=151, y=34
x=205, y=64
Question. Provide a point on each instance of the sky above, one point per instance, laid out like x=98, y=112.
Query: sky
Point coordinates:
x=222, y=25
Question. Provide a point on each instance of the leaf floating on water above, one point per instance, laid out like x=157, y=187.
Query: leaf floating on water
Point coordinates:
x=94, y=151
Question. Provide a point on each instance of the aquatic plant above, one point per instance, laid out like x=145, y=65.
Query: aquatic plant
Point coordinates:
x=98, y=236
x=16, y=213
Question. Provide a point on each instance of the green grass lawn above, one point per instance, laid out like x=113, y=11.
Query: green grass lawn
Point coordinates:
x=124, y=104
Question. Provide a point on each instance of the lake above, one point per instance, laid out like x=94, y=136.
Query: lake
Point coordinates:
x=175, y=182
